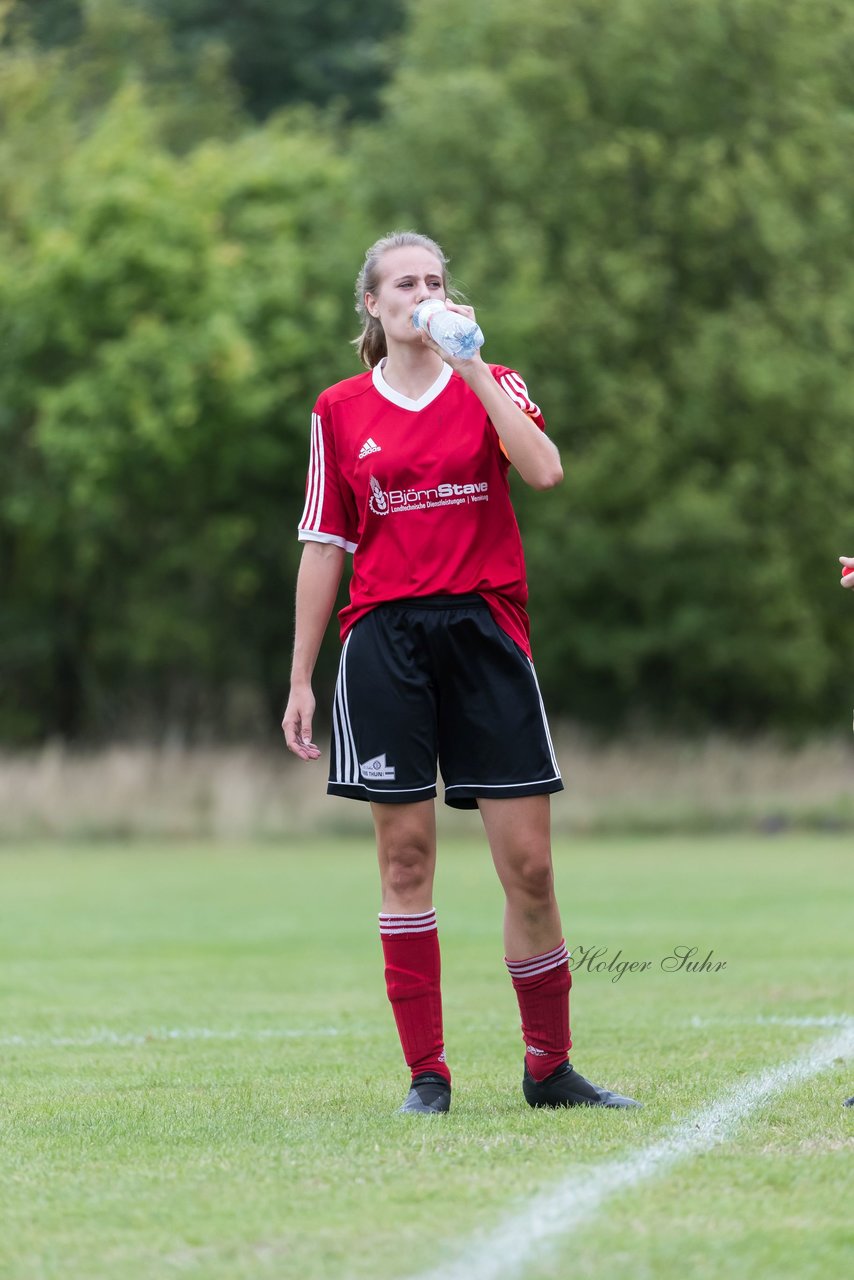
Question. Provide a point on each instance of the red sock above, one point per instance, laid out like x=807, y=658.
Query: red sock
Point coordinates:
x=412, y=973
x=542, y=986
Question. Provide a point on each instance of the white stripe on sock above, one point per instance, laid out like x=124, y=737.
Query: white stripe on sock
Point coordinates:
x=416, y=922
x=538, y=964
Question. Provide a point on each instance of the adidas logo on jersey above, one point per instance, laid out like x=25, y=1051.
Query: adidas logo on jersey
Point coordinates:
x=370, y=446
x=376, y=768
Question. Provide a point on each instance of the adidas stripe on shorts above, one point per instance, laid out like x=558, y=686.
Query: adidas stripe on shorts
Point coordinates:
x=435, y=680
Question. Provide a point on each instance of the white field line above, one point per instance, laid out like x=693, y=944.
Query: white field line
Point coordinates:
x=102, y=1035
x=555, y=1214
x=824, y=1020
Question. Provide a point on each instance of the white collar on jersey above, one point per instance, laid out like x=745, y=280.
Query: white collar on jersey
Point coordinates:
x=404, y=402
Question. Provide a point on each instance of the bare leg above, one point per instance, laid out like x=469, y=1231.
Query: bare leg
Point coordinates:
x=406, y=849
x=519, y=835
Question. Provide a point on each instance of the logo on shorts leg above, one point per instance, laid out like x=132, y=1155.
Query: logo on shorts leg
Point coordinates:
x=377, y=769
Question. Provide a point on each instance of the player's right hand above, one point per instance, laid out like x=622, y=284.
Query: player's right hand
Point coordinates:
x=847, y=563
x=296, y=724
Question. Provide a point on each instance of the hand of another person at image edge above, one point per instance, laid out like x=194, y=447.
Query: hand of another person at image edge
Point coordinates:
x=296, y=726
x=847, y=563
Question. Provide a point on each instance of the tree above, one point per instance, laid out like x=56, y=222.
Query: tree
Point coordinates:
x=166, y=321
x=651, y=204
x=90, y=49
x=280, y=52
x=651, y=201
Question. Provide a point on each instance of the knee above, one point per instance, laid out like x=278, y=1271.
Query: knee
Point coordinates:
x=533, y=878
x=408, y=868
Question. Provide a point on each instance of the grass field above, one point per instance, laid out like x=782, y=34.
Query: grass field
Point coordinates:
x=200, y=1071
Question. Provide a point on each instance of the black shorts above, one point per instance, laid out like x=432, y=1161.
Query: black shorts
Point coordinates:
x=436, y=679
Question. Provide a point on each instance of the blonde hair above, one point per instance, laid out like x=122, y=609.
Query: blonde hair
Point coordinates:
x=371, y=343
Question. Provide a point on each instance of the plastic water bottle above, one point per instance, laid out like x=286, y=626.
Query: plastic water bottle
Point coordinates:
x=454, y=333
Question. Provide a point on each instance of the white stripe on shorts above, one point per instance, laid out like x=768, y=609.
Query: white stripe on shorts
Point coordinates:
x=347, y=764
x=555, y=765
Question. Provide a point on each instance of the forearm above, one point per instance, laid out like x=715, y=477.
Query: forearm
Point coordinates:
x=317, y=586
x=318, y=579
x=531, y=452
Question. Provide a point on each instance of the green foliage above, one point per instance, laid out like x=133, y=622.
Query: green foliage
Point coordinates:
x=96, y=48
x=279, y=52
x=283, y=52
x=656, y=232
x=650, y=204
x=166, y=322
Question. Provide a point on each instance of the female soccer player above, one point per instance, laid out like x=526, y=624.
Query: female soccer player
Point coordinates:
x=408, y=471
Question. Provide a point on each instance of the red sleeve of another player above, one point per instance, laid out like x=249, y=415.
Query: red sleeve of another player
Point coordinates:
x=513, y=385
x=330, y=510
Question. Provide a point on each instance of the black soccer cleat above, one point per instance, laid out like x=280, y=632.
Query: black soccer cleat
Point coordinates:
x=430, y=1095
x=566, y=1088
x=849, y=1102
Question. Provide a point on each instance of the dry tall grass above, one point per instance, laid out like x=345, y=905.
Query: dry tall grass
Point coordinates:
x=250, y=793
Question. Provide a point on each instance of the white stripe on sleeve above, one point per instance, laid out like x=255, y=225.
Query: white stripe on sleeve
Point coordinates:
x=316, y=479
x=515, y=388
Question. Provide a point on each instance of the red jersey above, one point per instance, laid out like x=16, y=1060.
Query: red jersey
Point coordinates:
x=418, y=491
